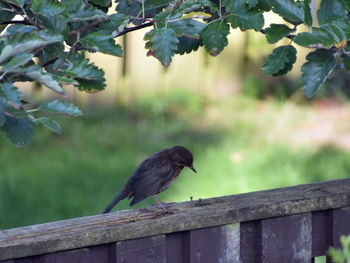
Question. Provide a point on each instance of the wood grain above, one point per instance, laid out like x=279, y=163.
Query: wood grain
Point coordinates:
x=131, y=224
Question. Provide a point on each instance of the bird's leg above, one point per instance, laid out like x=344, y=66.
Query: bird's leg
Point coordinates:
x=160, y=203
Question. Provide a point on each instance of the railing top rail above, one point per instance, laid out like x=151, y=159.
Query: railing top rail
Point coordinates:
x=130, y=224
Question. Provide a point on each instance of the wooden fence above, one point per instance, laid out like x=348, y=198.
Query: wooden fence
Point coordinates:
x=292, y=224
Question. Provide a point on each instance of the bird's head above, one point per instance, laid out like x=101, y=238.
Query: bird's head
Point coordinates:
x=182, y=157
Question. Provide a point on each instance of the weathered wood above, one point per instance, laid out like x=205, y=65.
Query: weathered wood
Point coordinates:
x=321, y=232
x=286, y=239
x=124, y=225
x=142, y=250
x=96, y=254
x=215, y=244
x=250, y=246
x=175, y=247
x=341, y=224
x=20, y=260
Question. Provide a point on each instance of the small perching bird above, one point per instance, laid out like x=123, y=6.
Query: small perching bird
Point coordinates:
x=154, y=175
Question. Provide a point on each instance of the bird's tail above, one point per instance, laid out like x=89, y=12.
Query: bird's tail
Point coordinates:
x=115, y=201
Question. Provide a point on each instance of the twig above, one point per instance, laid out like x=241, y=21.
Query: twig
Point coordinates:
x=87, y=27
x=130, y=29
x=48, y=62
x=24, y=22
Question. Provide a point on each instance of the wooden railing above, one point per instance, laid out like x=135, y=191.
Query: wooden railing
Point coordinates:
x=292, y=224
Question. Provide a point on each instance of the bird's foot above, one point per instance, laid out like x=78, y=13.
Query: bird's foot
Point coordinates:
x=162, y=205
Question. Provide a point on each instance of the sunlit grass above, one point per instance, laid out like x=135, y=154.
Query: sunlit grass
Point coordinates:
x=239, y=145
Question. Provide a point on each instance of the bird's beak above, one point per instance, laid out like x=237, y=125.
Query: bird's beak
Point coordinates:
x=192, y=168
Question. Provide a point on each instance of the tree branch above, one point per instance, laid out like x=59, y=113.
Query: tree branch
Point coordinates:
x=130, y=29
x=24, y=22
x=87, y=27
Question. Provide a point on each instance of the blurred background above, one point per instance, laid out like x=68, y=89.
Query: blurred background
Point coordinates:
x=247, y=131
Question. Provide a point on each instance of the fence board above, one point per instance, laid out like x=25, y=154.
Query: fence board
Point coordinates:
x=287, y=239
x=175, y=247
x=19, y=260
x=250, y=245
x=341, y=224
x=321, y=232
x=142, y=250
x=188, y=216
x=96, y=254
x=214, y=244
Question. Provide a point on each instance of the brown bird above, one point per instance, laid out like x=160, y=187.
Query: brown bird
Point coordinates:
x=154, y=175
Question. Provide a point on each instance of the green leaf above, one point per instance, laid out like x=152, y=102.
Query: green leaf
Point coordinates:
x=347, y=3
x=44, y=78
x=194, y=5
x=16, y=2
x=276, y=32
x=16, y=61
x=214, y=37
x=291, y=11
x=2, y=115
x=307, y=13
x=129, y=8
x=51, y=124
x=86, y=13
x=104, y=3
x=265, y=5
x=21, y=42
x=329, y=34
x=163, y=44
x=90, y=77
x=47, y=8
x=319, y=65
x=187, y=27
x=18, y=130
x=10, y=92
x=280, y=60
x=243, y=17
x=15, y=112
x=114, y=25
x=96, y=41
x=346, y=61
x=57, y=106
x=18, y=28
x=252, y=3
x=71, y=5
x=331, y=10
x=187, y=45
x=49, y=52
x=57, y=23
x=5, y=15
x=152, y=4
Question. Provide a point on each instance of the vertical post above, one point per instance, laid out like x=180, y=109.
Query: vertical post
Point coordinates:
x=250, y=245
x=286, y=239
x=213, y=244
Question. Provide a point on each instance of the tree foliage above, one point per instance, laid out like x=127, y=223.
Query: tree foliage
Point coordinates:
x=43, y=40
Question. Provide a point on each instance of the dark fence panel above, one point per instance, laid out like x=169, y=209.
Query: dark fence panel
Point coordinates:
x=142, y=250
x=213, y=244
x=298, y=237
x=341, y=224
x=287, y=239
x=250, y=245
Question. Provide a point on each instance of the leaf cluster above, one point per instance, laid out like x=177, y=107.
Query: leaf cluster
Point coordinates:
x=45, y=40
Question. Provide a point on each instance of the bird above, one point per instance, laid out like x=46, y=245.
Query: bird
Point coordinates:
x=154, y=175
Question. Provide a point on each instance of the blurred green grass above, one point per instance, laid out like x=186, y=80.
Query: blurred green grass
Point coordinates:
x=78, y=173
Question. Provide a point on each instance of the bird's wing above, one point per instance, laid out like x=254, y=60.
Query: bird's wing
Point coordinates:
x=152, y=173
